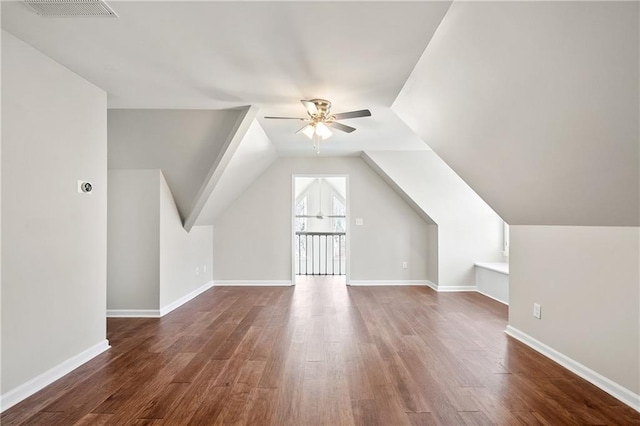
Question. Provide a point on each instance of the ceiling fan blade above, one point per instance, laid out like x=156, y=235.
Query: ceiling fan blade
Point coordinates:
x=305, y=215
x=335, y=215
x=310, y=106
x=302, y=128
x=352, y=114
x=286, y=118
x=341, y=127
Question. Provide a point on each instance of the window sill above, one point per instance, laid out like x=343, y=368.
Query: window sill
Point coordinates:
x=500, y=267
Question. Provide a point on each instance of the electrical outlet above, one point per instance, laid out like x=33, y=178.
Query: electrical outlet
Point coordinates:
x=197, y=271
x=359, y=221
x=405, y=264
x=204, y=268
x=536, y=310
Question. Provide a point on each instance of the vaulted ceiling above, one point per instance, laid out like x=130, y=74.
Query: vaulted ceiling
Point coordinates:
x=534, y=104
x=216, y=55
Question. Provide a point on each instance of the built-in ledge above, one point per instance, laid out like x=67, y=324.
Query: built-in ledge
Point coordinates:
x=492, y=280
x=501, y=267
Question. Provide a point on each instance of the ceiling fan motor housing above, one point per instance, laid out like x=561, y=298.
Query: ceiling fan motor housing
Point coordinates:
x=323, y=106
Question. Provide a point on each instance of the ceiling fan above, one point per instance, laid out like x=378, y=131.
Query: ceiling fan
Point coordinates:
x=320, y=119
x=320, y=215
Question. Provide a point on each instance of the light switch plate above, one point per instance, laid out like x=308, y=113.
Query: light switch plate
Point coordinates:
x=537, y=311
x=359, y=221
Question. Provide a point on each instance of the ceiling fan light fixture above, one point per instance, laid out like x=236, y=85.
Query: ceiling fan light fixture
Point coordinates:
x=309, y=131
x=318, y=129
x=323, y=131
x=320, y=119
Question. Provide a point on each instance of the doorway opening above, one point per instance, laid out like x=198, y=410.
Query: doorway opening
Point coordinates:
x=320, y=237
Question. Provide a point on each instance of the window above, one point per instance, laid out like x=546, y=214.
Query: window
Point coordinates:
x=301, y=210
x=338, y=225
x=338, y=208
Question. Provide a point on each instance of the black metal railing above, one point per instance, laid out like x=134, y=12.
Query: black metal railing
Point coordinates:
x=320, y=253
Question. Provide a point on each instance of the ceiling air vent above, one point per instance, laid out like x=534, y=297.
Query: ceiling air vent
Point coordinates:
x=72, y=8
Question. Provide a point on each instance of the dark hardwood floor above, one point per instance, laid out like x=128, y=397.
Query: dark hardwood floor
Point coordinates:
x=321, y=353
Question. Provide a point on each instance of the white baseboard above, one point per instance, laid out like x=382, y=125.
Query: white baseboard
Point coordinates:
x=609, y=386
x=27, y=389
x=451, y=289
x=133, y=313
x=454, y=288
x=387, y=282
x=426, y=283
x=433, y=285
x=184, y=299
x=492, y=297
x=158, y=313
x=250, y=283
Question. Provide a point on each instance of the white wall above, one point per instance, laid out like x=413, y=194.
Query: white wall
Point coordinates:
x=152, y=260
x=252, y=238
x=181, y=252
x=252, y=157
x=468, y=230
x=182, y=143
x=432, y=253
x=133, y=256
x=587, y=282
x=535, y=105
x=54, y=239
x=1, y=35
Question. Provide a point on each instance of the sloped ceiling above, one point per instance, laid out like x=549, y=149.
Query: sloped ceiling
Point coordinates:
x=221, y=54
x=253, y=156
x=535, y=106
x=184, y=144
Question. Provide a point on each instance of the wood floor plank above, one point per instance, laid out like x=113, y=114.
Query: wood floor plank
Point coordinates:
x=211, y=406
x=234, y=405
x=260, y=407
x=159, y=406
x=475, y=418
x=93, y=419
x=338, y=402
x=192, y=399
x=229, y=375
x=135, y=407
x=321, y=353
x=365, y=412
x=422, y=419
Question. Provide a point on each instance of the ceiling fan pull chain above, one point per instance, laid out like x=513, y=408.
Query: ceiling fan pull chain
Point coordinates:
x=316, y=142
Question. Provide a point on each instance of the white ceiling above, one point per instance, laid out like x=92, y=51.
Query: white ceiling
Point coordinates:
x=269, y=54
x=253, y=156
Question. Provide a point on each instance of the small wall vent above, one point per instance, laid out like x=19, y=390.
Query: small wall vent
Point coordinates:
x=72, y=8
